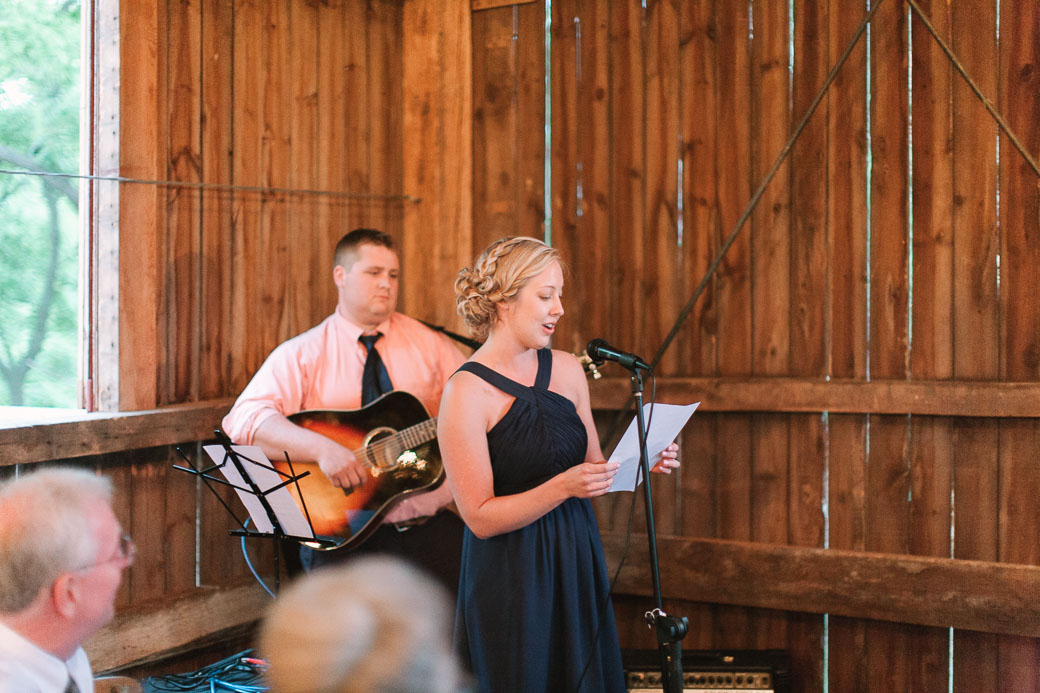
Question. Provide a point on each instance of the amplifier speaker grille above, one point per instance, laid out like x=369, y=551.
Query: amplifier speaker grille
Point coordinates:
x=717, y=671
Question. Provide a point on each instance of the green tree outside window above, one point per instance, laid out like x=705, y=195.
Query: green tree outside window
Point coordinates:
x=39, y=225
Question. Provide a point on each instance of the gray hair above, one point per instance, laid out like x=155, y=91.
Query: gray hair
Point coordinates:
x=45, y=531
x=374, y=625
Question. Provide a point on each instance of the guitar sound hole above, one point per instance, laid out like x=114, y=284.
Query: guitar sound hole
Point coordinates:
x=380, y=452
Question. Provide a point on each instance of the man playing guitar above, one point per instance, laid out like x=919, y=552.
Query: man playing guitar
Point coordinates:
x=327, y=368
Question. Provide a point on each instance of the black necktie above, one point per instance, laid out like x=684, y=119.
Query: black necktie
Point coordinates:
x=71, y=687
x=375, y=381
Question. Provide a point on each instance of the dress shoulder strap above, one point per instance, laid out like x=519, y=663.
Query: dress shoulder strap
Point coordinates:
x=507, y=385
x=544, y=375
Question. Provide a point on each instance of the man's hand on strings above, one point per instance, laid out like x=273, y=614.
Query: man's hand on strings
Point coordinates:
x=341, y=467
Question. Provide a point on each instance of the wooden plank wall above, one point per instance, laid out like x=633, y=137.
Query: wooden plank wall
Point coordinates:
x=877, y=253
x=281, y=125
x=878, y=260
x=294, y=133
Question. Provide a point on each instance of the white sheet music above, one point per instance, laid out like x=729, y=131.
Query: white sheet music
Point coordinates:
x=667, y=422
x=292, y=520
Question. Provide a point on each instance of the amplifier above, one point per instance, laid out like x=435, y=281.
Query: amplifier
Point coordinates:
x=712, y=671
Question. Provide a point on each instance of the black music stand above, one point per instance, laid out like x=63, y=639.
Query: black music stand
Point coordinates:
x=264, y=515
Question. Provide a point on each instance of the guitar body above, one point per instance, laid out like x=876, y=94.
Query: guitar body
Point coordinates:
x=394, y=437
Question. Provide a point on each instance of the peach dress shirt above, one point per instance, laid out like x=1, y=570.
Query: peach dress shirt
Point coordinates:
x=321, y=369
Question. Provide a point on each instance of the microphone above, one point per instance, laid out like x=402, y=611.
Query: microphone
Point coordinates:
x=599, y=351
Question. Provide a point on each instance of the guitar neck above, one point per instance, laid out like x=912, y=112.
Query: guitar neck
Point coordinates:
x=420, y=433
x=402, y=440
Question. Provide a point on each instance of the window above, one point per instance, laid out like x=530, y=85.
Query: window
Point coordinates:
x=40, y=105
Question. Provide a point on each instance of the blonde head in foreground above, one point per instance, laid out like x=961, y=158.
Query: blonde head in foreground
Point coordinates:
x=374, y=625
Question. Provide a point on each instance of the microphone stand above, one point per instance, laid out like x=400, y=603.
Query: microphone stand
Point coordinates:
x=670, y=630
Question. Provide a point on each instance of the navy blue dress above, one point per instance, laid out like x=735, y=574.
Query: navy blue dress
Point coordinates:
x=534, y=604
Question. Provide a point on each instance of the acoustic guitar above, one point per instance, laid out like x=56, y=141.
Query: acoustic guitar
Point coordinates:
x=395, y=439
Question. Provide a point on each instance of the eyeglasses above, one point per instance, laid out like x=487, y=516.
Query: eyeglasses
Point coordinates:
x=126, y=551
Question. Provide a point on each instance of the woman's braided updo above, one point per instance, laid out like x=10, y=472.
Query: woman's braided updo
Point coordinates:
x=496, y=276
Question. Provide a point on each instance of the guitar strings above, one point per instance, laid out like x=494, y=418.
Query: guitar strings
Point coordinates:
x=378, y=448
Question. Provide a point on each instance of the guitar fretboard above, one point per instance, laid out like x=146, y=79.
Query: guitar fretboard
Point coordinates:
x=419, y=433
x=385, y=451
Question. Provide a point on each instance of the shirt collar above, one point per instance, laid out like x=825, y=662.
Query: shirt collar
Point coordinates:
x=32, y=661
x=353, y=331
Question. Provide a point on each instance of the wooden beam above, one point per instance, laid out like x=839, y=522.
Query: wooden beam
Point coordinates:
x=928, y=398
x=942, y=592
x=137, y=638
x=93, y=434
x=973, y=595
x=476, y=5
x=97, y=434
x=129, y=342
x=437, y=127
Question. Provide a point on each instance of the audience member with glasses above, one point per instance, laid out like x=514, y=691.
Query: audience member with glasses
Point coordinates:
x=62, y=557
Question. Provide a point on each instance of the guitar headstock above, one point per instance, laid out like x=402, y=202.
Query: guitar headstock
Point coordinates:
x=590, y=366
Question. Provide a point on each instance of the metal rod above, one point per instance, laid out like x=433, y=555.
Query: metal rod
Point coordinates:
x=975, y=88
x=214, y=186
x=688, y=308
x=752, y=203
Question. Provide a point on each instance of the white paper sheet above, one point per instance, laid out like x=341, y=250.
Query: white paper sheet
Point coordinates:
x=667, y=422
x=289, y=515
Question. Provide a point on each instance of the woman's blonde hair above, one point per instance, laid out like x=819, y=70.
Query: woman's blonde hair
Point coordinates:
x=498, y=275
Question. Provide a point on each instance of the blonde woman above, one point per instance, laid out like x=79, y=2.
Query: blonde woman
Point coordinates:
x=523, y=459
